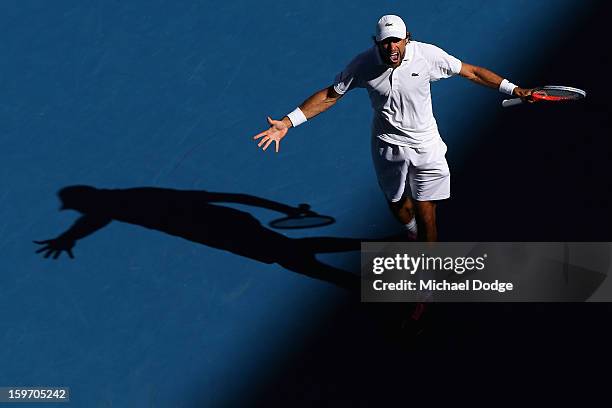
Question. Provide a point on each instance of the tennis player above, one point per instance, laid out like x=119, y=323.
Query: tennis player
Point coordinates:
x=408, y=152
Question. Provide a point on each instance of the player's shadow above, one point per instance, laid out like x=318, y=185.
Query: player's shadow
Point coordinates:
x=193, y=216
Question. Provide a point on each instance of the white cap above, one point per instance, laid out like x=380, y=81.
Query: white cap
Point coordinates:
x=390, y=26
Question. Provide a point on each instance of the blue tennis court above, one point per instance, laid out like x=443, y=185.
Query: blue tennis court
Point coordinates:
x=137, y=117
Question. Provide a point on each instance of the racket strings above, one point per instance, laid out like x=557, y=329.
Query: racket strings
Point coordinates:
x=558, y=94
x=561, y=94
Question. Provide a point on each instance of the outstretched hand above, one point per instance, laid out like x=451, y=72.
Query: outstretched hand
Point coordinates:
x=278, y=130
x=54, y=247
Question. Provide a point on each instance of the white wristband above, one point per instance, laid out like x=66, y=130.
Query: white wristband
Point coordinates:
x=506, y=87
x=297, y=117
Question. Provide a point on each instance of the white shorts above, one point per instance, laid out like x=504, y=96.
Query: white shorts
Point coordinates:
x=421, y=173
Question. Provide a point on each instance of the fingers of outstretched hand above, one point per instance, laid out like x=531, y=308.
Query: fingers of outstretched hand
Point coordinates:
x=268, y=143
x=264, y=140
x=262, y=134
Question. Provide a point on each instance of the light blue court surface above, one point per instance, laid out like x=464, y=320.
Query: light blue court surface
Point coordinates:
x=167, y=94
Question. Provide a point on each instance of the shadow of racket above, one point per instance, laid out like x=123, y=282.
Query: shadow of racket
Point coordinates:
x=305, y=218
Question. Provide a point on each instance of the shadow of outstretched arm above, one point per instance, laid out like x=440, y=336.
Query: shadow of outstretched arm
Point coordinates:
x=252, y=201
x=86, y=225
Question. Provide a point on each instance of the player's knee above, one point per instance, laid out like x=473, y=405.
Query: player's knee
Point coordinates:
x=402, y=203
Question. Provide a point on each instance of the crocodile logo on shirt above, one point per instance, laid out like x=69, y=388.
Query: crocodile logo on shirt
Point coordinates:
x=388, y=24
x=415, y=74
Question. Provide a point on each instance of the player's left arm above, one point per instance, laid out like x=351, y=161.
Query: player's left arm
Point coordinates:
x=485, y=77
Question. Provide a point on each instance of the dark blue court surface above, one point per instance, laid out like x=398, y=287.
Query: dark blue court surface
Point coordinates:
x=179, y=295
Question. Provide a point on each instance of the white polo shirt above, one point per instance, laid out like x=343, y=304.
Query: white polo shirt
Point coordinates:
x=400, y=97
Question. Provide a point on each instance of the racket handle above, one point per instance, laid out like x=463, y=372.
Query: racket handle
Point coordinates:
x=511, y=102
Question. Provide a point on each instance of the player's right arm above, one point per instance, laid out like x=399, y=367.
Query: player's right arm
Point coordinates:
x=485, y=77
x=317, y=103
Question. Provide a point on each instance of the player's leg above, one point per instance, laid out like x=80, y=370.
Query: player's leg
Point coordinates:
x=391, y=165
x=404, y=212
x=429, y=181
x=403, y=209
x=426, y=220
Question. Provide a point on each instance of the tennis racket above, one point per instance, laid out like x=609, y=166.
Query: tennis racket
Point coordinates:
x=306, y=218
x=550, y=93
